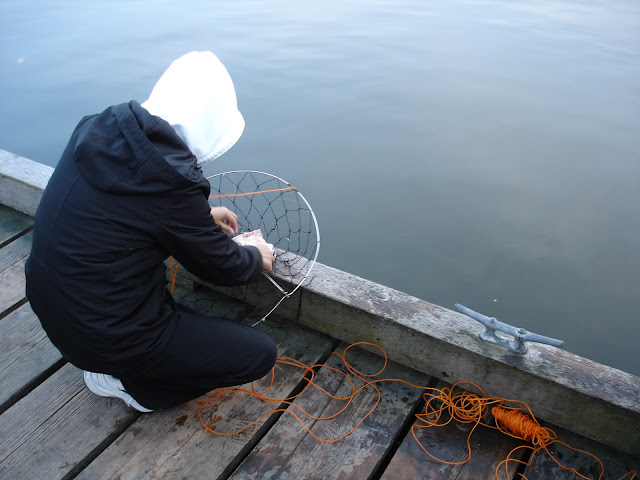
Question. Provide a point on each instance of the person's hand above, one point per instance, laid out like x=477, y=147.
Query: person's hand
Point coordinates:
x=226, y=219
x=267, y=256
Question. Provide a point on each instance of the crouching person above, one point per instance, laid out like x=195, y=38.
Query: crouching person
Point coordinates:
x=127, y=193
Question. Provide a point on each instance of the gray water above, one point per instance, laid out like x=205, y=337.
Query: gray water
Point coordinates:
x=485, y=153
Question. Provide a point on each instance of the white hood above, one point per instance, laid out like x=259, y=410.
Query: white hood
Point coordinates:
x=196, y=96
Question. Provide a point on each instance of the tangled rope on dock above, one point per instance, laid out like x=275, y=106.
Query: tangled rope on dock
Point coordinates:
x=442, y=407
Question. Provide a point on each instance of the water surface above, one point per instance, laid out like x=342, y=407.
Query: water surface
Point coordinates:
x=484, y=153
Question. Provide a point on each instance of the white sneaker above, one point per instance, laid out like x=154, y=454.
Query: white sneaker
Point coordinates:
x=108, y=386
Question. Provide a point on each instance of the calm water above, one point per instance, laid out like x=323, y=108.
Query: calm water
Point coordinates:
x=485, y=153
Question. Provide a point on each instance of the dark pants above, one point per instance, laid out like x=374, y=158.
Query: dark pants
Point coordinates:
x=205, y=353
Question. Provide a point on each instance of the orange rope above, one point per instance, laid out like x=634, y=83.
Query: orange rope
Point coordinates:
x=521, y=426
x=442, y=406
x=252, y=193
x=173, y=273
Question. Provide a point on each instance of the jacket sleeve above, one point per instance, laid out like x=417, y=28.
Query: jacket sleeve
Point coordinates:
x=188, y=232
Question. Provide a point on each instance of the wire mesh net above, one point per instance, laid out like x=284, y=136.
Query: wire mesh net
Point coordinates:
x=270, y=204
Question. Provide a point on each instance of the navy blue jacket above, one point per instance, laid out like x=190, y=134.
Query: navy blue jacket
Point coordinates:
x=126, y=194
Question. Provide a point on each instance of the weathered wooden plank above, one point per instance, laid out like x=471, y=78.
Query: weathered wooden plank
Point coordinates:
x=449, y=443
x=51, y=431
x=287, y=451
x=15, y=250
x=12, y=285
x=12, y=223
x=173, y=443
x=594, y=400
x=616, y=464
x=12, y=258
x=12, y=281
x=25, y=353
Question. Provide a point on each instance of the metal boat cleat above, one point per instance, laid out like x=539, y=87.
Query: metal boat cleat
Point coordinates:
x=520, y=335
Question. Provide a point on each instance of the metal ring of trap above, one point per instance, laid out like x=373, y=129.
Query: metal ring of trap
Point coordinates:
x=269, y=203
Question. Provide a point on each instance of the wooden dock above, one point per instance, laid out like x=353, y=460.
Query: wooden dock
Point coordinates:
x=52, y=427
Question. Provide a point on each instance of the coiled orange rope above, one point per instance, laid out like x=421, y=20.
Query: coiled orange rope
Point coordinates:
x=511, y=417
x=513, y=421
x=442, y=406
